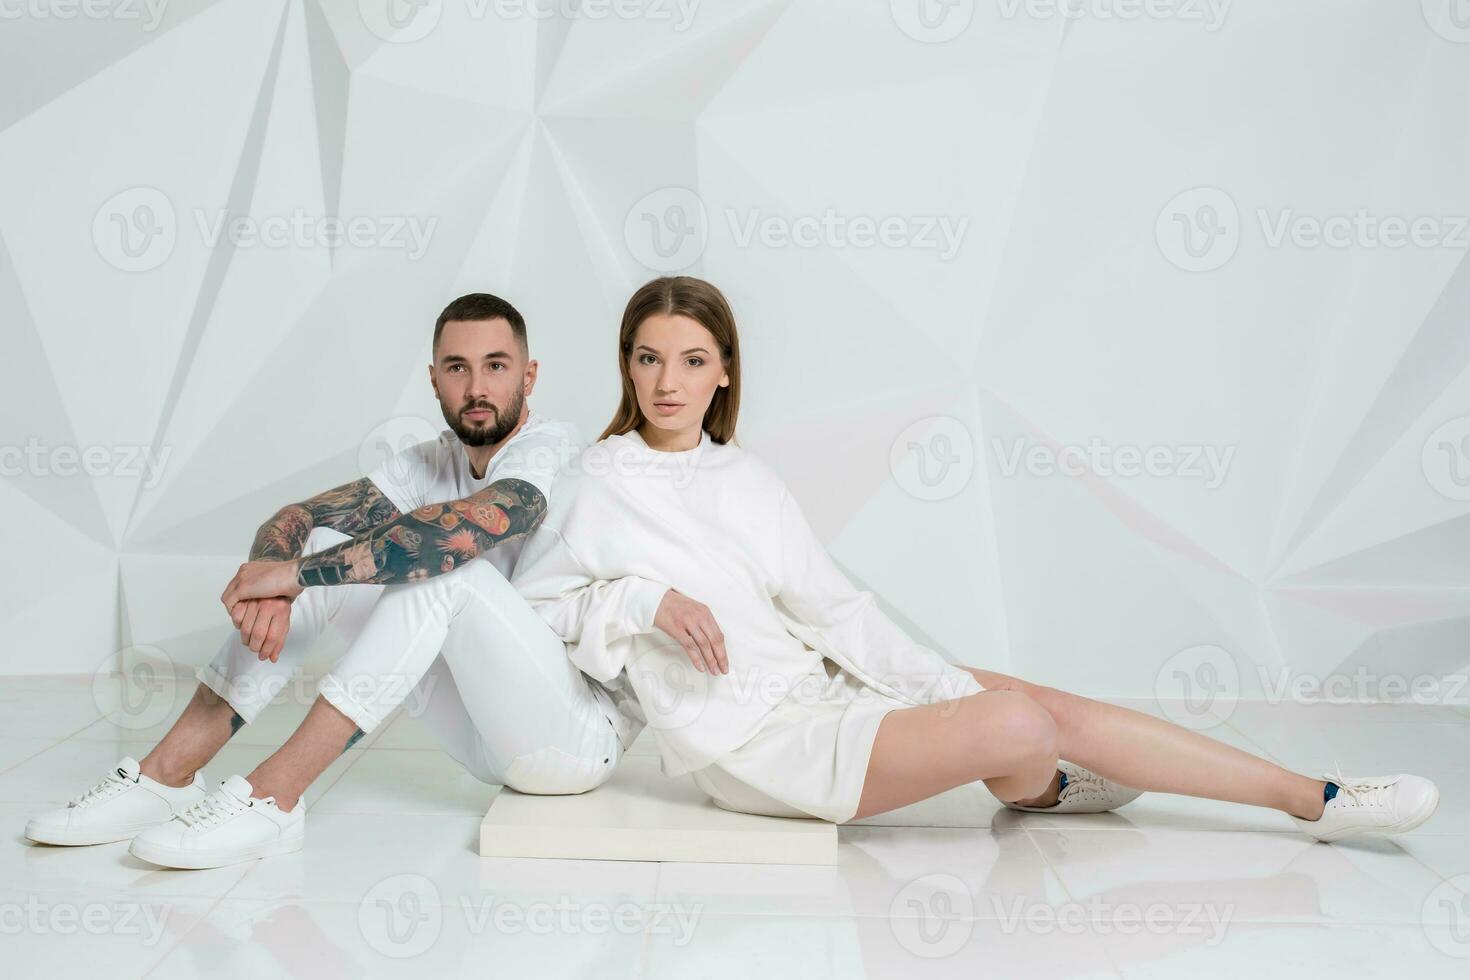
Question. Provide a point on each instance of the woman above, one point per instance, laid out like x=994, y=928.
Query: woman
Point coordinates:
x=683, y=575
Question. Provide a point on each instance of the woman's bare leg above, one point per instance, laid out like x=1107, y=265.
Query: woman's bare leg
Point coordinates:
x=1148, y=753
x=1004, y=738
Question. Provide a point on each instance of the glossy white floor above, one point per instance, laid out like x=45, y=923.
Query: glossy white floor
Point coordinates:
x=390, y=883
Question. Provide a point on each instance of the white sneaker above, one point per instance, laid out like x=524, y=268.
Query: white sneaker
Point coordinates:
x=120, y=806
x=1373, y=805
x=226, y=827
x=1085, y=792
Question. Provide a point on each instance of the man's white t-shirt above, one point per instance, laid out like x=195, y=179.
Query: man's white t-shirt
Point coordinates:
x=438, y=470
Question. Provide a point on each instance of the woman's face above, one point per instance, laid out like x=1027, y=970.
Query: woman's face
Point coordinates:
x=675, y=367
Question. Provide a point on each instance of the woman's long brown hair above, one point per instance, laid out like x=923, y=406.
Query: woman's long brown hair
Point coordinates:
x=705, y=305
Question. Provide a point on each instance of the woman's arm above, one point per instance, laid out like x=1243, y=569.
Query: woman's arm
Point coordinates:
x=590, y=615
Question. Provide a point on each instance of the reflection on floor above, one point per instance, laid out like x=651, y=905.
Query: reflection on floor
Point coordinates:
x=390, y=882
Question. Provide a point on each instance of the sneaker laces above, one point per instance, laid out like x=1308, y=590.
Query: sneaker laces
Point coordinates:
x=104, y=790
x=1362, y=792
x=1086, y=784
x=210, y=811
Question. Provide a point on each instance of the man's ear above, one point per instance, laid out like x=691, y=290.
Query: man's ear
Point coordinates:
x=433, y=381
x=530, y=382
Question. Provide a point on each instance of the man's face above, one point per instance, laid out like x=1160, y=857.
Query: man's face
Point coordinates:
x=481, y=378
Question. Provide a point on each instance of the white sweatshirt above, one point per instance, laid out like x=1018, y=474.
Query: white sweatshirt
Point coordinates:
x=720, y=526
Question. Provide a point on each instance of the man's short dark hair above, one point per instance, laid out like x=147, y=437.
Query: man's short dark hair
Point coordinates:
x=483, y=306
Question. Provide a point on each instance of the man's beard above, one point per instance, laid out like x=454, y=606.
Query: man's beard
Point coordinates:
x=495, y=429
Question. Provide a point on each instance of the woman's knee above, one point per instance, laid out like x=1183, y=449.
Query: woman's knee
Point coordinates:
x=1023, y=725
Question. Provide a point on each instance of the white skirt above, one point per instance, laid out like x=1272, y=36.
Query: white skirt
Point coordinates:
x=809, y=755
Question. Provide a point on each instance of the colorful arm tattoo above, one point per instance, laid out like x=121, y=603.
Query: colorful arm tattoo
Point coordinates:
x=432, y=540
x=351, y=508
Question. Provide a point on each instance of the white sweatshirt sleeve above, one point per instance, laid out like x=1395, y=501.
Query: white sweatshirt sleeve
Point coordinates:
x=824, y=610
x=590, y=615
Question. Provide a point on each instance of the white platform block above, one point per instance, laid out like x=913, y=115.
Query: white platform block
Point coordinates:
x=642, y=815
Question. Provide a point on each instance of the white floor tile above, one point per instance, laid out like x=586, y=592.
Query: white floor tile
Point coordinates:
x=17, y=749
x=1275, y=951
x=639, y=814
x=48, y=706
x=816, y=948
x=438, y=848
x=94, y=934
x=407, y=781
x=882, y=871
x=1261, y=877
x=391, y=934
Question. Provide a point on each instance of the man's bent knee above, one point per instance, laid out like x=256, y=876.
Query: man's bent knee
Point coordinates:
x=553, y=772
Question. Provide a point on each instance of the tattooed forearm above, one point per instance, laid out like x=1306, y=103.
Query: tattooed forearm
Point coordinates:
x=351, y=508
x=236, y=722
x=283, y=536
x=432, y=540
x=352, y=739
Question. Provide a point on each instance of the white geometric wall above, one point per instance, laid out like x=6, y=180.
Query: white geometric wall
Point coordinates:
x=1218, y=248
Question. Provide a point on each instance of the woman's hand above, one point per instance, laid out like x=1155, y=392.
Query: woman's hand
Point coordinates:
x=694, y=626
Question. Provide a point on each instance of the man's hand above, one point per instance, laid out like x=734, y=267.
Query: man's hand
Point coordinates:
x=694, y=626
x=258, y=600
x=263, y=625
x=262, y=580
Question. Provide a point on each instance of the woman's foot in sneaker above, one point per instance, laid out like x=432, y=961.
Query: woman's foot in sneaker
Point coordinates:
x=1084, y=791
x=118, y=808
x=1371, y=805
x=226, y=827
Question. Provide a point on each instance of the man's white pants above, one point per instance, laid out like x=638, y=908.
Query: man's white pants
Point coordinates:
x=481, y=671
